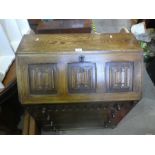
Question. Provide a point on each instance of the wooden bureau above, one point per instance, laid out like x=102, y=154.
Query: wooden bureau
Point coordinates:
x=79, y=80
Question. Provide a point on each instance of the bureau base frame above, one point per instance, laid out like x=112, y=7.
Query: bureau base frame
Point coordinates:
x=60, y=117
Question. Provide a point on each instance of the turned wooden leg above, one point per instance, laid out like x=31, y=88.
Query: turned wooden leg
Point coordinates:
x=30, y=127
x=26, y=123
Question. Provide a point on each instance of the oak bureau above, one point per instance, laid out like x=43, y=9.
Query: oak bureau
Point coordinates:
x=79, y=80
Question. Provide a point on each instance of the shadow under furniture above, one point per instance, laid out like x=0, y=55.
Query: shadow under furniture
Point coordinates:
x=10, y=107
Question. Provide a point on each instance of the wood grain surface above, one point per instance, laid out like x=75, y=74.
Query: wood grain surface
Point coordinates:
x=79, y=84
x=61, y=43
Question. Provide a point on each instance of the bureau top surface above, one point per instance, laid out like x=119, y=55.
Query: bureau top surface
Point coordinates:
x=43, y=43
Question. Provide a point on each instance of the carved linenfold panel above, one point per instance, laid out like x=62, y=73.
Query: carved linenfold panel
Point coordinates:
x=42, y=78
x=119, y=76
x=81, y=77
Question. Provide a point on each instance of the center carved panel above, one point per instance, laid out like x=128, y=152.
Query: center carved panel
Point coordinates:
x=42, y=78
x=81, y=77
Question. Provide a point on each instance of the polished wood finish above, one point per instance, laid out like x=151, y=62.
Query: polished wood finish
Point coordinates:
x=61, y=76
x=90, y=43
x=97, y=52
x=65, y=26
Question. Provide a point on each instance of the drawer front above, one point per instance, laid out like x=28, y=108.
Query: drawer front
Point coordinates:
x=79, y=78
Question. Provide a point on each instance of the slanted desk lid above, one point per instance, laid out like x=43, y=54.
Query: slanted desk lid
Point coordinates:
x=70, y=42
